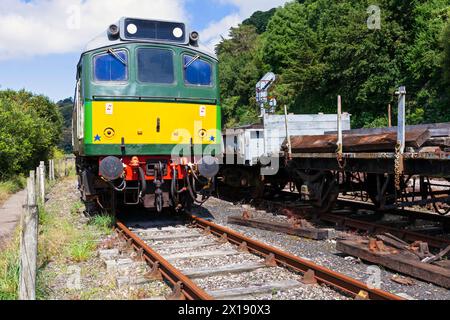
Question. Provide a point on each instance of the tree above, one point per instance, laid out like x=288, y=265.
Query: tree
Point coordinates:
x=66, y=108
x=323, y=48
x=446, y=57
x=240, y=69
x=259, y=20
x=30, y=128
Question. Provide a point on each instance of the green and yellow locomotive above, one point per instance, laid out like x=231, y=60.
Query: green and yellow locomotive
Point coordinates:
x=147, y=117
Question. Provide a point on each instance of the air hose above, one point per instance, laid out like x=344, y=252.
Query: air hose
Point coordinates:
x=121, y=188
x=192, y=188
x=143, y=182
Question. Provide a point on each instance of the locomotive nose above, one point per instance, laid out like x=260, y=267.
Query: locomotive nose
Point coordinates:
x=111, y=168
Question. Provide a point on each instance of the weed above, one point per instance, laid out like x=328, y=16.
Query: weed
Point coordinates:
x=81, y=250
x=104, y=223
x=9, y=270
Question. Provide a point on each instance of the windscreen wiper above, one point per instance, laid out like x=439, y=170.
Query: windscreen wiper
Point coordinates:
x=115, y=55
x=191, y=61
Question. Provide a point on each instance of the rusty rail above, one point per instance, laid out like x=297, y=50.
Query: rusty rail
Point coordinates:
x=434, y=242
x=321, y=274
x=410, y=213
x=188, y=288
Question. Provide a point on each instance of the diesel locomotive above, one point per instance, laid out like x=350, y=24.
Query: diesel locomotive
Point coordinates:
x=146, y=118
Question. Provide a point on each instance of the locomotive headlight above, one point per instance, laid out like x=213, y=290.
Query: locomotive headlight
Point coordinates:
x=132, y=28
x=177, y=32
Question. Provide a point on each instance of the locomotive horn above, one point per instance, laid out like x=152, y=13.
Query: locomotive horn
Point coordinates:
x=193, y=38
x=113, y=31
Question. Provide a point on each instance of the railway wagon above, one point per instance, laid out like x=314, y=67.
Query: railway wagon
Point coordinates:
x=373, y=165
x=321, y=157
x=253, y=156
x=146, y=117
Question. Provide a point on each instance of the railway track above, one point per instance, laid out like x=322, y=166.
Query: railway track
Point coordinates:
x=344, y=219
x=194, y=257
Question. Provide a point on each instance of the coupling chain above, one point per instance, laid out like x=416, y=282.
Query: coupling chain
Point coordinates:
x=398, y=167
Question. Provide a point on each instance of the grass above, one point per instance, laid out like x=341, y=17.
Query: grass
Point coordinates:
x=9, y=187
x=103, y=223
x=62, y=239
x=9, y=255
x=9, y=270
x=81, y=250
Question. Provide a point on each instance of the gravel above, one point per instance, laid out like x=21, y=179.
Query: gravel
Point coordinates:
x=321, y=252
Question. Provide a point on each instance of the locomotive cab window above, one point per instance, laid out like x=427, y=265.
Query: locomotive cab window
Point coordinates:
x=111, y=66
x=155, y=66
x=197, y=72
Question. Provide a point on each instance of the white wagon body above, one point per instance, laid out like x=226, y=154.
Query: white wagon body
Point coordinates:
x=251, y=143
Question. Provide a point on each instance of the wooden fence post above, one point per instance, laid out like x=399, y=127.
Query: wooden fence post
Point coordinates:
x=42, y=181
x=29, y=244
x=51, y=171
x=59, y=168
x=66, y=172
x=37, y=183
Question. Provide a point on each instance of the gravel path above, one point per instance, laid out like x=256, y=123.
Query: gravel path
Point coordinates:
x=321, y=252
x=10, y=213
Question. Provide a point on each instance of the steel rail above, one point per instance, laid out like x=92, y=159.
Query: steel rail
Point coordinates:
x=434, y=242
x=414, y=214
x=189, y=289
x=323, y=275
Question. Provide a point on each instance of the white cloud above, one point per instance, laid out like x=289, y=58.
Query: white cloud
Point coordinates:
x=212, y=35
x=40, y=27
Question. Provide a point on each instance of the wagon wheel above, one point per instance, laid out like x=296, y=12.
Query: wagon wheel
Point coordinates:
x=328, y=195
x=440, y=207
x=323, y=189
x=380, y=189
x=279, y=185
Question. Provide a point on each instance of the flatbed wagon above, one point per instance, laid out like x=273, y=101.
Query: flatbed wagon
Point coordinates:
x=394, y=167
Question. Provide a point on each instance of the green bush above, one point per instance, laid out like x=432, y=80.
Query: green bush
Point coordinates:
x=30, y=128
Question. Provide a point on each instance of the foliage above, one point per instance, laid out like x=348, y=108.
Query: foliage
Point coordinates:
x=62, y=239
x=240, y=69
x=323, y=48
x=103, y=222
x=10, y=187
x=66, y=107
x=30, y=127
x=259, y=20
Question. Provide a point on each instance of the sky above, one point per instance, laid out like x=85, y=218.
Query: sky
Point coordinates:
x=41, y=40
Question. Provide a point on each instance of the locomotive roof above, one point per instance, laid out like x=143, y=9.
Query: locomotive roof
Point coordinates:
x=104, y=40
